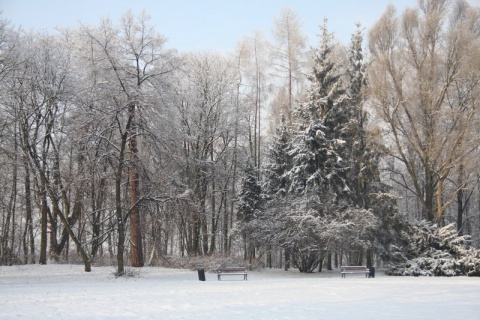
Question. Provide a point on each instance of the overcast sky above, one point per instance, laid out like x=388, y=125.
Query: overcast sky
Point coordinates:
x=203, y=24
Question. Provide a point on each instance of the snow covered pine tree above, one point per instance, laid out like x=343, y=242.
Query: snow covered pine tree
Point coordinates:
x=317, y=210
x=249, y=202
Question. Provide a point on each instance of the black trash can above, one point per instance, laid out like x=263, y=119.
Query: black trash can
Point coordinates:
x=201, y=274
x=372, y=272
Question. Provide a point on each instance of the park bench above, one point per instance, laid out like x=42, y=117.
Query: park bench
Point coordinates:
x=232, y=271
x=354, y=269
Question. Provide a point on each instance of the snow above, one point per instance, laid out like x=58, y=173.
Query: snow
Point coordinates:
x=66, y=292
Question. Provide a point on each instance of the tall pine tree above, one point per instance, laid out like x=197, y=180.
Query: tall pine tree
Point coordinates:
x=316, y=180
x=332, y=179
x=363, y=152
x=326, y=89
x=317, y=149
x=363, y=176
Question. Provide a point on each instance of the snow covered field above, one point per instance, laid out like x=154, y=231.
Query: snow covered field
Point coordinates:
x=66, y=292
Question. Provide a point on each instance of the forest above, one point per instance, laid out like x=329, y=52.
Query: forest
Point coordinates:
x=125, y=152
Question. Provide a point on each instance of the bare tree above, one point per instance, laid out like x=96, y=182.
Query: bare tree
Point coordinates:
x=39, y=92
x=10, y=145
x=288, y=54
x=418, y=61
x=205, y=104
x=253, y=65
x=132, y=62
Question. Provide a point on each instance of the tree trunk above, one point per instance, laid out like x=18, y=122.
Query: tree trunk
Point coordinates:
x=269, y=256
x=43, y=223
x=429, y=195
x=28, y=232
x=287, y=259
x=53, y=233
x=320, y=265
x=460, y=206
x=136, y=253
x=360, y=257
x=81, y=250
x=120, y=219
x=8, y=239
x=245, y=248
x=340, y=262
x=118, y=205
x=225, y=227
x=329, y=260
x=55, y=202
x=97, y=201
x=290, y=89
x=369, y=258
x=110, y=236
x=204, y=230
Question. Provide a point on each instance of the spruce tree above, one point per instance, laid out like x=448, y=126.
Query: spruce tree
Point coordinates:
x=318, y=159
x=362, y=152
x=363, y=174
x=316, y=179
x=325, y=90
x=333, y=173
x=248, y=208
x=278, y=161
x=425, y=249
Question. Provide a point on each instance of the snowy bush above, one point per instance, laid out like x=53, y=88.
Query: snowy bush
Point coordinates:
x=432, y=251
x=208, y=263
x=307, y=227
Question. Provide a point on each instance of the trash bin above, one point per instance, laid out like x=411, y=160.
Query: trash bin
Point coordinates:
x=201, y=274
x=372, y=272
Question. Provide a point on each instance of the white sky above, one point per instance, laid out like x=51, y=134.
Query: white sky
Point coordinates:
x=204, y=24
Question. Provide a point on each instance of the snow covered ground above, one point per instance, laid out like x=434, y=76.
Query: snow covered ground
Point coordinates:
x=66, y=292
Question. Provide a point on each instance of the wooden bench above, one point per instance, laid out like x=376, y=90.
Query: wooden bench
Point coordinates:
x=354, y=269
x=232, y=271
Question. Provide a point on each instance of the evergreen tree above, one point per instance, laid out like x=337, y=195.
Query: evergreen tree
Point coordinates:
x=363, y=153
x=317, y=186
x=325, y=90
x=317, y=150
x=363, y=174
x=278, y=161
x=248, y=208
x=428, y=250
x=331, y=182
x=357, y=78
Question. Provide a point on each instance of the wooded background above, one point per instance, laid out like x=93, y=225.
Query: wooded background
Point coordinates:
x=117, y=149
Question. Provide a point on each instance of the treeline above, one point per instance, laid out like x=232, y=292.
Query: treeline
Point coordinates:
x=116, y=148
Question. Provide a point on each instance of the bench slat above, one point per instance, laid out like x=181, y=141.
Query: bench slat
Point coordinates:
x=240, y=271
x=354, y=270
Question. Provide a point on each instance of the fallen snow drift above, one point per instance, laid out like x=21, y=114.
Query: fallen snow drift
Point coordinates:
x=66, y=292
